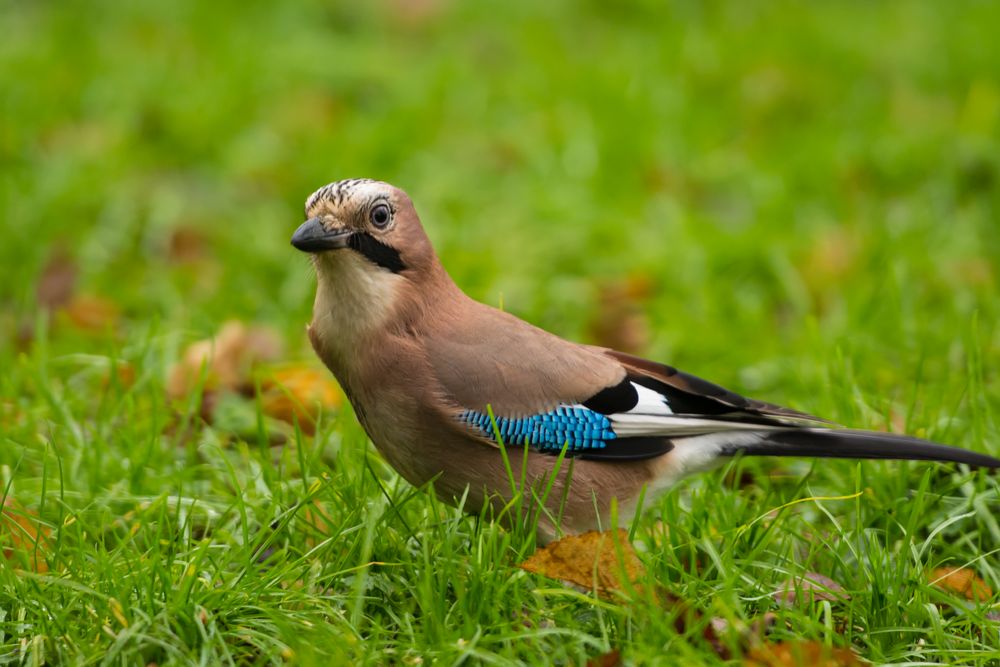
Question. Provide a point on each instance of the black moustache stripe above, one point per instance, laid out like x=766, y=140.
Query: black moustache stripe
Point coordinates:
x=377, y=252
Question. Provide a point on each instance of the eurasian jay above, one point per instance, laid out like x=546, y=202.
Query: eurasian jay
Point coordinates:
x=441, y=383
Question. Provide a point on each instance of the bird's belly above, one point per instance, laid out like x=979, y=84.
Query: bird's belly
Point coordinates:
x=464, y=469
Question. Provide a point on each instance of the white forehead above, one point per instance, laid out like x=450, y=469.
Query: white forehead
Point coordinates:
x=338, y=191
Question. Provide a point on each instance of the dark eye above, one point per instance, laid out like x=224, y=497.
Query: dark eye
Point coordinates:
x=380, y=215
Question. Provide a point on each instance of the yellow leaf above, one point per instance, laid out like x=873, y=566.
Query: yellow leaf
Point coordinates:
x=299, y=392
x=225, y=360
x=92, y=313
x=963, y=581
x=592, y=559
x=21, y=533
x=797, y=653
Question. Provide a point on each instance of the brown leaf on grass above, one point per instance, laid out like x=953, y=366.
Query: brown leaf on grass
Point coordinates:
x=186, y=245
x=56, y=291
x=612, y=658
x=799, y=654
x=56, y=286
x=57, y=282
x=299, y=392
x=963, y=581
x=92, y=313
x=20, y=532
x=417, y=13
x=813, y=587
x=590, y=560
x=225, y=361
x=619, y=321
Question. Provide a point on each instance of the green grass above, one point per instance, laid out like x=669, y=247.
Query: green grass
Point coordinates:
x=811, y=190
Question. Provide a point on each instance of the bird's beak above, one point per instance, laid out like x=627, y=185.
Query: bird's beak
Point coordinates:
x=312, y=236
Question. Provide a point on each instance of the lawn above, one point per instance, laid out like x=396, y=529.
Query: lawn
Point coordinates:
x=800, y=201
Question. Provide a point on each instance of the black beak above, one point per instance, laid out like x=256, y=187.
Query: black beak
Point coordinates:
x=311, y=236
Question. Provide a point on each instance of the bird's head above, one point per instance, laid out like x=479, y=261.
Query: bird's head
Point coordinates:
x=363, y=218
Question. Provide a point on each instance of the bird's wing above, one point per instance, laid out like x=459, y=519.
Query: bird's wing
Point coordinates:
x=688, y=394
x=510, y=382
x=491, y=358
x=547, y=393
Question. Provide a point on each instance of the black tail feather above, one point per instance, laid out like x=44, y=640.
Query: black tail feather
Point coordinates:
x=851, y=444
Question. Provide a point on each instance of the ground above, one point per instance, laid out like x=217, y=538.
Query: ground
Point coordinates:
x=796, y=200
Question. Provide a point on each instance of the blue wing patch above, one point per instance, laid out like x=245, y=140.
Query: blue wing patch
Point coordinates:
x=584, y=429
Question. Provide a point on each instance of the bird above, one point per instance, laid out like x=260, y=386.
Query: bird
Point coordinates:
x=481, y=406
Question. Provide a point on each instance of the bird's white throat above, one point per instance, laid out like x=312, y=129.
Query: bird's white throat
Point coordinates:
x=354, y=298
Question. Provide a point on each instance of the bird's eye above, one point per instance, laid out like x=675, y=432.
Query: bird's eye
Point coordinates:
x=380, y=215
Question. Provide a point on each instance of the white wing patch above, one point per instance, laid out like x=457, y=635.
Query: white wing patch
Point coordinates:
x=652, y=416
x=627, y=425
x=650, y=402
x=701, y=452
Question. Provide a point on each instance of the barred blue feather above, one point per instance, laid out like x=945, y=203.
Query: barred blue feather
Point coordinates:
x=583, y=429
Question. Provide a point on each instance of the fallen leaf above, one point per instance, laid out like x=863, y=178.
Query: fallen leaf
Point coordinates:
x=54, y=289
x=225, y=360
x=22, y=533
x=57, y=282
x=92, y=313
x=417, y=13
x=186, y=245
x=299, y=392
x=963, y=581
x=610, y=659
x=798, y=654
x=813, y=587
x=589, y=560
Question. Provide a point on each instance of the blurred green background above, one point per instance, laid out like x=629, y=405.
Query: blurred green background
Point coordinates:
x=796, y=200
x=762, y=164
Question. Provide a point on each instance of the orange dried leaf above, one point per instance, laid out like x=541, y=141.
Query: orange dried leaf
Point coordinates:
x=186, y=245
x=417, y=13
x=963, y=581
x=592, y=559
x=22, y=536
x=299, y=392
x=797, y=653
x=92, y=313
x=610, y=659
x=225, y=361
